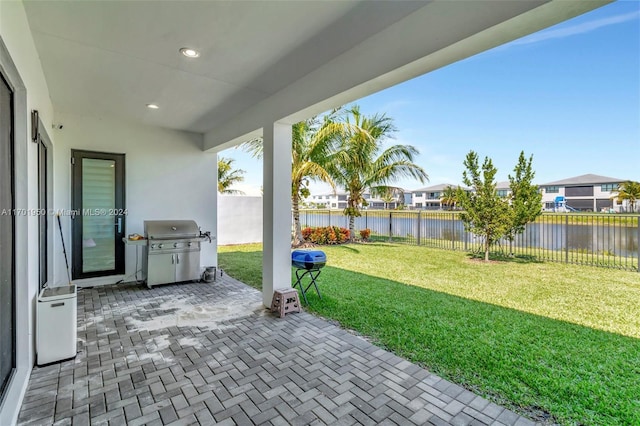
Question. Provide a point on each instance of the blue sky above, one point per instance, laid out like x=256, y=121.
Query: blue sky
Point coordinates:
x=569, y=95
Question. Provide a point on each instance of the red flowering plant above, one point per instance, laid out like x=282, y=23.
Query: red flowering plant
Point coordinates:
x=306, y=232
x=326, y=235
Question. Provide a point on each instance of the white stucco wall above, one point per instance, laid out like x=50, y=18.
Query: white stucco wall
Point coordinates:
x=167, y=175
x=21, y=66
x=239, y=219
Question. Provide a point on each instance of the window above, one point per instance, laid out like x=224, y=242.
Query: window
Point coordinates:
x=552, y=189
x=579, y=191
x=418, y=205
x=503, y=192
x=333, y=205
x=608, y=187
x=417, y=194
x=434, y=195
x=43, y=206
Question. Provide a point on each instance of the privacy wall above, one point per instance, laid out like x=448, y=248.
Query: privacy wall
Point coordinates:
x=239, y=219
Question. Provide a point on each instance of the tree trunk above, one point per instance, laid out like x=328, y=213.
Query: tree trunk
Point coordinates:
x=298, y=239
x=352, y=218
x=352, y=226
x=487, y=245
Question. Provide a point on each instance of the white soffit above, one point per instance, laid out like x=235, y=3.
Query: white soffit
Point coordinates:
x=112, y=57
x=260, y=61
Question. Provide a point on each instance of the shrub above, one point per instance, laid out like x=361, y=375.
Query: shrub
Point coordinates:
x=326, y=235
x=365, y=234
x=306, y=232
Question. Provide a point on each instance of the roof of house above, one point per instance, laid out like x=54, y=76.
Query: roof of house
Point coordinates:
x=584, y=180
x=440, y=187
x=340, y=191
x=505, y=184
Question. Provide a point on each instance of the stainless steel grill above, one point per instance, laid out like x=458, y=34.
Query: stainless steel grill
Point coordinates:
x=172, y=251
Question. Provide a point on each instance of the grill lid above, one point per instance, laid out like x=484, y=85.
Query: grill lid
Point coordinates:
x=308, y=259
x=170, y=229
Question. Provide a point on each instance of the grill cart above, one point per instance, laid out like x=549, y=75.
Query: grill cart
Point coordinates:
x=172, y=251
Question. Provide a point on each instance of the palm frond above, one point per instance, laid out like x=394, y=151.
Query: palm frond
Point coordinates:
x=255, y=147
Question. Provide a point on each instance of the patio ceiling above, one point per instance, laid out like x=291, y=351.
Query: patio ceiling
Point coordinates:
x=261, y=60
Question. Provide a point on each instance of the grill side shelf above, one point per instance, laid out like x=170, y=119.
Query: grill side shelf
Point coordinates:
x=129, y=242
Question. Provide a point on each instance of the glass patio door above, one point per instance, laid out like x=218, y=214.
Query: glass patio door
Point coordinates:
x=98, y=227
x=7, y=239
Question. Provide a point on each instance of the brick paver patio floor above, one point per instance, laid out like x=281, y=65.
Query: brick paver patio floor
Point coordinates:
x=211, y=354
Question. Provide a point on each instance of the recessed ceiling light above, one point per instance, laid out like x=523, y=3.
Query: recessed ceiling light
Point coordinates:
x=189, y=53
x=152, y=106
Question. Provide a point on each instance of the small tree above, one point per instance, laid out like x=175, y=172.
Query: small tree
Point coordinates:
x=525, y=198
x=485, y=213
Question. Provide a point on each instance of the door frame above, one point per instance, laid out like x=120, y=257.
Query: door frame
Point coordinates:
x=24, y=294
x=77, y=219
x=44, y=139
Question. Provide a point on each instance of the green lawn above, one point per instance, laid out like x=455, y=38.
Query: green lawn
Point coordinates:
x=540, y=338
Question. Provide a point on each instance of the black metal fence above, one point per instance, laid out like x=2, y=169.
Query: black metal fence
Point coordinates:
x=587, y=239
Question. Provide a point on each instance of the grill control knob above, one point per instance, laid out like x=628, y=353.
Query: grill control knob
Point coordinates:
x=153, y=246
x=175, y=245
x=190, y=244
x=159, y=246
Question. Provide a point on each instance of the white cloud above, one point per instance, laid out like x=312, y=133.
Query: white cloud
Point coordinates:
x=572, y=30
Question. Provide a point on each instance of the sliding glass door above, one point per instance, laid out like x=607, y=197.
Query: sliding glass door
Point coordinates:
x=7, y=238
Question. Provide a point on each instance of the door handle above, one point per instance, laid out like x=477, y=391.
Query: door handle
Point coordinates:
x=173, y=260
x=177, y=258
x=119, y=225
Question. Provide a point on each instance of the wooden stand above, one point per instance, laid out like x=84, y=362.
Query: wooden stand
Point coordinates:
x=285, y=301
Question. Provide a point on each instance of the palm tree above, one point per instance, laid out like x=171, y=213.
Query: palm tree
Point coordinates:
x=312, y=142
x=361, y=163
x=387, y=198
x=392, y=195
x=449, y=197
x=227, y=176
x=629, y=190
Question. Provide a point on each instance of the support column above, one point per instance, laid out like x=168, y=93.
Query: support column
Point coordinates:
x=276, y=210
x=214, y=216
